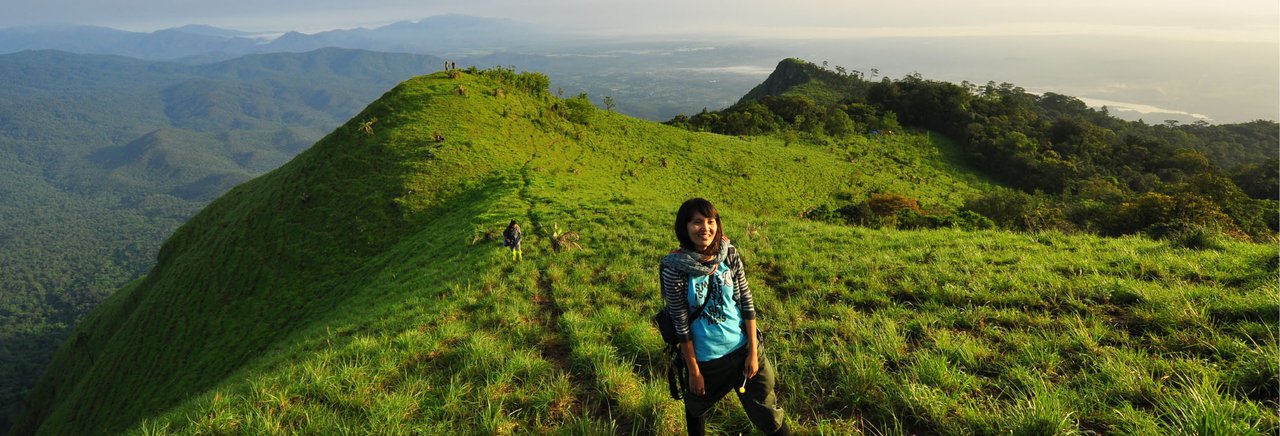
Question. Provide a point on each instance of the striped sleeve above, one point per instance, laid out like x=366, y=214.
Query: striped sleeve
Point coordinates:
x=746, y=305
x=675, y=290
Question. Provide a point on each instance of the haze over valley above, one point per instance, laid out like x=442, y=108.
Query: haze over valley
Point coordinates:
x=1151, y=73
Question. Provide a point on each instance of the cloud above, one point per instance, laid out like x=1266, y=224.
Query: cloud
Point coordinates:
x=1138, y=107
x=746, y=70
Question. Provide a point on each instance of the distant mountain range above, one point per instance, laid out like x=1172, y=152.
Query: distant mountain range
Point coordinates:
x=442, y=34
x=102, y=157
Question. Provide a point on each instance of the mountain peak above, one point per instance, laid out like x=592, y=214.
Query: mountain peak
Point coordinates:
x=794, y=76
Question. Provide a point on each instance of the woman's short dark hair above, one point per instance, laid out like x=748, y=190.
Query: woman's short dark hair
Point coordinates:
x=685, y=214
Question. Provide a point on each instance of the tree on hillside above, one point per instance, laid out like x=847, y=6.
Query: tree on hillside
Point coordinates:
x=1261, y=181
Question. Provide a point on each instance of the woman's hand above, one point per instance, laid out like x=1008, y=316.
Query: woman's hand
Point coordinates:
x=697, y=385
x=751, y=367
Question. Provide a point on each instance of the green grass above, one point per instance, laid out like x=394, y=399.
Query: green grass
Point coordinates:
x=361, y=289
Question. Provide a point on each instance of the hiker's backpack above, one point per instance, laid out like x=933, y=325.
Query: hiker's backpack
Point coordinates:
x=677, y=373
x=508, y=238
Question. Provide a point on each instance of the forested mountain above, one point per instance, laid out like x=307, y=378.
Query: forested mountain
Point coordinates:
x=102, y=157
x=437, y=34
x=361, y=288
x=173, y=43
x=1077, y=168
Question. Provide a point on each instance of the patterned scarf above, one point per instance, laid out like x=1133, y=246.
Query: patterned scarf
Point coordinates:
x=687, y=261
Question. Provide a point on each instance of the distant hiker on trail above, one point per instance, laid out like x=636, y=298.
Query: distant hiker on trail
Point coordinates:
x=704, y=281
x=511, y=237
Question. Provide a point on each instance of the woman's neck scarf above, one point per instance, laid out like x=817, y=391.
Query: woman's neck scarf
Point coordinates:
x=689, y=262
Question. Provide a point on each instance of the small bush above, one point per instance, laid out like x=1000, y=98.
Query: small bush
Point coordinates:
x=562, y=240
x=910, y=219
x=1018, y=210
x=1184, y=235
x=1162, y=216
x=578, y=109
x=970, y=220
x=823, y=213
x=1005, y=207
x=859, y=214
x=889, y=204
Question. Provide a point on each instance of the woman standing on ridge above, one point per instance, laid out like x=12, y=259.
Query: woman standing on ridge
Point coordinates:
x=720, y=347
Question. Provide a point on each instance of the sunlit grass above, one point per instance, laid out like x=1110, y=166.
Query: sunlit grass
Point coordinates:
x=384, y=304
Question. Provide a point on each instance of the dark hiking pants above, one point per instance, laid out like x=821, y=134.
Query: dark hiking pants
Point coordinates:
x=723, y=375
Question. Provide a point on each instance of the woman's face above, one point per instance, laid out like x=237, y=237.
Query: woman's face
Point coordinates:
x=702, y=231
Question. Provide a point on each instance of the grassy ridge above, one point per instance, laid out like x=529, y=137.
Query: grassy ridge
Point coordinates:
x=360, y=288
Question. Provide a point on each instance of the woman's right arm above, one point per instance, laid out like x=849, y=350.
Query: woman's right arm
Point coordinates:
x=676, y=293
x=696, y=384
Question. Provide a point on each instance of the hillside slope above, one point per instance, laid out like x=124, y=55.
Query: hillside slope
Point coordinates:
x=102, y=157
x=360, y=288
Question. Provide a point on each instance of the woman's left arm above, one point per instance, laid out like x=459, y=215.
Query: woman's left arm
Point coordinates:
x=747, y=308
x=753, y=363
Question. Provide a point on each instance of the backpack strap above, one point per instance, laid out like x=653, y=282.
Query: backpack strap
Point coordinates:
x=677, y=378
x=694, y=316
x=675, y=372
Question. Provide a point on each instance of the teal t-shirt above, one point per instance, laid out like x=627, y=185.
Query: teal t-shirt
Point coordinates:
x=719, y=330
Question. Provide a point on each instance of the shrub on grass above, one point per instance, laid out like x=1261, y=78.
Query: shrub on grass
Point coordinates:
x=859, y=214
x=1187, y=236
x=578, y=109
x=964, y=220
x=910, y=219
x=970, y=220
x=1018, y=210
x=823, y=213
x=1160, y=215
x=890, y=204
x=1005, y=207
x=562, y=240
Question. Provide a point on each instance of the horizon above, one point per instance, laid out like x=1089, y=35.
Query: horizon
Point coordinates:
x=744, y=33
x=1187, y=60
x=1238, y=21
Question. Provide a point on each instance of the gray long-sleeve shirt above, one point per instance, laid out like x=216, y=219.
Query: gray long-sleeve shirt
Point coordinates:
x=675, y=289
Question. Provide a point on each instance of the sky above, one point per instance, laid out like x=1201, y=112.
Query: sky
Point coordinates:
x=1225, y=20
